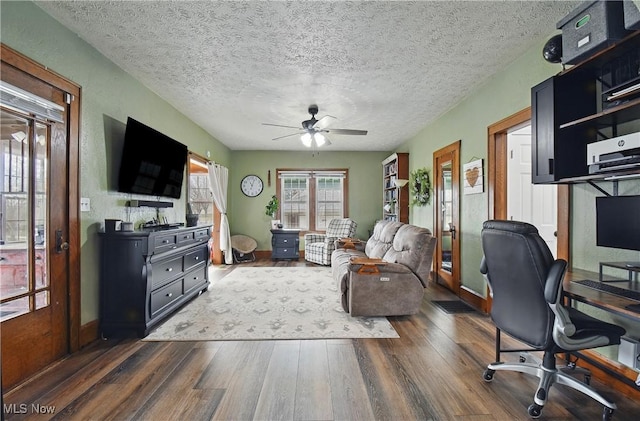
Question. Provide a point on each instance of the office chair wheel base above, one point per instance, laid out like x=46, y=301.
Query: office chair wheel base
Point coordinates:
x=607, y=414
x=488, y=375
x=534, y=410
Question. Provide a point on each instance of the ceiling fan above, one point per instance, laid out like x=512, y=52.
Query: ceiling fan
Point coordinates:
x=313, y=131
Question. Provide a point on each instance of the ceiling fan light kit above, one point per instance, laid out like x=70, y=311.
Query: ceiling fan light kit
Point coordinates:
x=307, y=139
x=312, y=130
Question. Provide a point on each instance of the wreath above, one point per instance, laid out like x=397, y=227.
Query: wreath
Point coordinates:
x=420, y=187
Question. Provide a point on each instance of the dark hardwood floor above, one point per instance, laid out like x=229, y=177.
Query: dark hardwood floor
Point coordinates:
x=432, y=372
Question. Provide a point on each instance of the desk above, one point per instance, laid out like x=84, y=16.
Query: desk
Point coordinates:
x=611, y=303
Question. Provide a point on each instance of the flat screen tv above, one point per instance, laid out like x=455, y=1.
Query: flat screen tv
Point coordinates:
x=152, y=163
x=618, y=222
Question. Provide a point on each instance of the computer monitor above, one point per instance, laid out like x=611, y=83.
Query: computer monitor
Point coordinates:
x=618, y=222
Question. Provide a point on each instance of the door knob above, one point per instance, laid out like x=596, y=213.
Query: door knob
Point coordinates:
x=61, y=245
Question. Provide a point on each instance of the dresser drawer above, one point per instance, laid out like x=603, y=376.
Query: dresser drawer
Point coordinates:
x=195, y=279
x=285, y=253
x=185, y=237
x=164, y=296
x=165, y=242
x=195, y=257
x=286, y=241
x=202, y=235
x=165, y=270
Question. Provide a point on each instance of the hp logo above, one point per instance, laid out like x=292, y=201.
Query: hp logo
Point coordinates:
x=621, y=142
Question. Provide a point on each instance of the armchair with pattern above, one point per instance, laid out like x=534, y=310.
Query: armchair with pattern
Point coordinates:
x=318, y=247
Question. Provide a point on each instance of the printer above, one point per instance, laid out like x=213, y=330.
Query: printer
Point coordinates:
x=615, y=154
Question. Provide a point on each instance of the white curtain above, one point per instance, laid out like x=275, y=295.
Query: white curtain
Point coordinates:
x=218, y=181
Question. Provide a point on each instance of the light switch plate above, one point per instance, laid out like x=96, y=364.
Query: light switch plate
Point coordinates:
x=85, y=204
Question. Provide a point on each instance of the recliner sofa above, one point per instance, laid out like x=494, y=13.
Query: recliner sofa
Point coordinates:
x=396, y=286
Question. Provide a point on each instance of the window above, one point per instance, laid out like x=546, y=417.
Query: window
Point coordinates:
x=309, y=199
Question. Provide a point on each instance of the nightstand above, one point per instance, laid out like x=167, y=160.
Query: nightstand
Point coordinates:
x=285, y=244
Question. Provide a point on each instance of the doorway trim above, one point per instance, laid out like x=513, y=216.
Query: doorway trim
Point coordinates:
x=497, y=182
x=29, y=66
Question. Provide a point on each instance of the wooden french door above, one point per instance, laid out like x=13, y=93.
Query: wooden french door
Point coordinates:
x=446, y=164
x=36, y=210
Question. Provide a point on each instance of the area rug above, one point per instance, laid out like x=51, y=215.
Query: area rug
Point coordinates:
x=262, y=303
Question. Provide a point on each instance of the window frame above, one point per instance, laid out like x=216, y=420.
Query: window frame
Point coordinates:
x=312, y=172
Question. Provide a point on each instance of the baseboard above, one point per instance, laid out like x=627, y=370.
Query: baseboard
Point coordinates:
x=263, y=254
x=474, y=299
x=88, y=333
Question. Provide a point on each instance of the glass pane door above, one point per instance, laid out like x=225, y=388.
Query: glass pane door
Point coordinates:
x=24, y=286
x=447, y=216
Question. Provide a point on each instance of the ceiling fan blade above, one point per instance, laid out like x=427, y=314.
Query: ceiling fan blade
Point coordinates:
x=348, y=131
x=287, y=135
x=280, y=125
x=324, y=122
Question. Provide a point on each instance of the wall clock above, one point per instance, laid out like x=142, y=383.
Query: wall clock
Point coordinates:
x=251, y=185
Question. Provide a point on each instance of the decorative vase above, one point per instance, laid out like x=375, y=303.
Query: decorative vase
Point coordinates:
x=192, y=219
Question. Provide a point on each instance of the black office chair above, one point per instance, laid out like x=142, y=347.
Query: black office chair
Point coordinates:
x=526, y=285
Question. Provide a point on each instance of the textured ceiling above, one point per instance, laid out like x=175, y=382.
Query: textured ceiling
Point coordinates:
x=388, y=67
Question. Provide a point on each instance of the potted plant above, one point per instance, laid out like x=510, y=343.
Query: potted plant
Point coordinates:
x=271, y=209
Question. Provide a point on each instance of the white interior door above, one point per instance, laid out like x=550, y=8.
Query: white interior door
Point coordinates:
x=533, y=203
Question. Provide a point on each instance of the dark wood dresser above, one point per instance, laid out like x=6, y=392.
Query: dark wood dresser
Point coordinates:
x=147, y=275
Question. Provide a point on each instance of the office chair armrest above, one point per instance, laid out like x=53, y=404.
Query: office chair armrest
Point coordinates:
x=484, y=270
x=562, y=324
x=553, y=295
x=553, y=285
x=483, y=266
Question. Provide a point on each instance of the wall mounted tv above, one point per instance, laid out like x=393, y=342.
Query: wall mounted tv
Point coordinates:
x=618, y=222
x=152, y=163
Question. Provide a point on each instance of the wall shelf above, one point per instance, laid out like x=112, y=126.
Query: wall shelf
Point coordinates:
x=629, y=111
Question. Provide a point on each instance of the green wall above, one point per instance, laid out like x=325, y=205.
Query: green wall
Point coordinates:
x=109, y=96
x=501, y=96
x=248, y=215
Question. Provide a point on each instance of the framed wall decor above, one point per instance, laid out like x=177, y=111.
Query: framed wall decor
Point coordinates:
x=473, y=177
